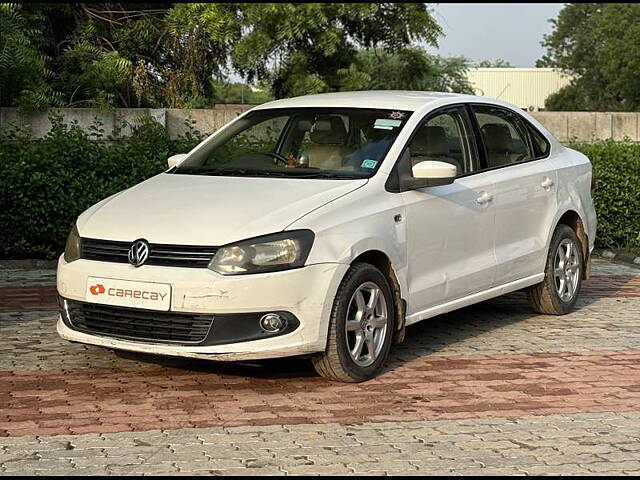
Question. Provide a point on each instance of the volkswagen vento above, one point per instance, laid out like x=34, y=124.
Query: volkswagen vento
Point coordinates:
x=325, y=225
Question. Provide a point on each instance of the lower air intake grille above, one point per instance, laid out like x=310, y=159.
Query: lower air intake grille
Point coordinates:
x=138, y=324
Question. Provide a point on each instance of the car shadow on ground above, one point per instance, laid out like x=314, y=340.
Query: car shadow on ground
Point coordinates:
x=424, y=338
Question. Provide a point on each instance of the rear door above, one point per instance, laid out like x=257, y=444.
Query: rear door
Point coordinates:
x=524, y=182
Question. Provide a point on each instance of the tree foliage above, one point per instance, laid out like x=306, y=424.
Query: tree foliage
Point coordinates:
x=182, y=55
x=414, y=69
x=497, y=63
x=597, y=43
x=24, y=67
x=311, y=48
x=238, y=92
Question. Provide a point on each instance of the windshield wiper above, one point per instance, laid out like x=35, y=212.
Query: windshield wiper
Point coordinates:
x=191, y=171
x=235, y=172
x=246, y=172
x=329, y=175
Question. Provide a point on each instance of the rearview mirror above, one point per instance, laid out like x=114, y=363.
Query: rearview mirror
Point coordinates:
x=430, y=173
x=173, y=160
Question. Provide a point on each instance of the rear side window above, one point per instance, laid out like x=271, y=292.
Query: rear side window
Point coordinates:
x=540, y=144
x=505, y=138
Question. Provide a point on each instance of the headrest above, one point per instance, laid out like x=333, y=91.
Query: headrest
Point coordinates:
x=329, y=129
x=304, y=125
x=430, y=141
x=497, y=138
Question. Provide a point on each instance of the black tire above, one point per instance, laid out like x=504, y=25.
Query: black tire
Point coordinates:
x=336, y=362
x=544, y=297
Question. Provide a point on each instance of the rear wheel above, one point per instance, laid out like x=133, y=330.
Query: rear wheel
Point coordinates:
x=360, y=328
x=558, y=292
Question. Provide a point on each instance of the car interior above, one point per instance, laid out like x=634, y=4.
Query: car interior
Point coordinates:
x=502, y=148
x=431, y=143
x=327, y=146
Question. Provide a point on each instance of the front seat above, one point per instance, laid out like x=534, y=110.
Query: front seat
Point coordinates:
x=499, y=143
x=328, y=148
x=431, y=143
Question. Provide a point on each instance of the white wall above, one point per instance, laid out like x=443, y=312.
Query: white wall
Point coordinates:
x=524, y=87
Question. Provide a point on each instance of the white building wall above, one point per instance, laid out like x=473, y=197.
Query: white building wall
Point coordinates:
x=525, y=87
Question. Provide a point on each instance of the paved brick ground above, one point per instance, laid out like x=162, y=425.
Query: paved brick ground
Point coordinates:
x=490, y=389
x=28, y=298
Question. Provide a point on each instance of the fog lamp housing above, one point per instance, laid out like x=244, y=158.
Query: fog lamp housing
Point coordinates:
x=273, y=322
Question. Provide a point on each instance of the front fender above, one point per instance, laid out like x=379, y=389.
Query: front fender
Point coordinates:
x=366, y=220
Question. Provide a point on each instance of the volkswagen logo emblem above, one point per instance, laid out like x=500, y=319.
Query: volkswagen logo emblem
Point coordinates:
x=138, y=253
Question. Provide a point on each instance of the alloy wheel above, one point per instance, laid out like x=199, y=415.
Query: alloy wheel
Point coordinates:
x=366, y=324
x=566, y=269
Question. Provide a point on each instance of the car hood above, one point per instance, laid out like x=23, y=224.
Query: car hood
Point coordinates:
x=208, y=210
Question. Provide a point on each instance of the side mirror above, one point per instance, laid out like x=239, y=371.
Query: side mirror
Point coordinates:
x=435, y=170
x=173, y=160
x=430, y=173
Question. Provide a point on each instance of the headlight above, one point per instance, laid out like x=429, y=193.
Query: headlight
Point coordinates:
x=270, y=253
x=72, y=247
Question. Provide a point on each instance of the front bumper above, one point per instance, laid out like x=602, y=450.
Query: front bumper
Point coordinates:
x=306, y=292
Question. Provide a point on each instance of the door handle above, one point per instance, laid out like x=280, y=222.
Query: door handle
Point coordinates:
x=547, y=183
x=484, y=198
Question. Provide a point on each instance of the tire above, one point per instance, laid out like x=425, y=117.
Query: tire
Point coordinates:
x=353, y=300
x=545, y=297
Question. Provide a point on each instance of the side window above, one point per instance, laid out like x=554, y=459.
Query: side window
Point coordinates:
x=504, y=136
x=443, y=138
x=540, y=144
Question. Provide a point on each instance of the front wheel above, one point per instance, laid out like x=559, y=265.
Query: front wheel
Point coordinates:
x=360, y=328
x=558, y=292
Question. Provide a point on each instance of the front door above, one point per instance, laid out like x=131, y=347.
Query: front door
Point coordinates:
x=450, y=228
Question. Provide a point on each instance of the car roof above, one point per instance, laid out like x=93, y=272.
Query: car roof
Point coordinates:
x=387, y=99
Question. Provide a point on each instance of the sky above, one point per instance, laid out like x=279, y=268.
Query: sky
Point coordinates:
x=489, y=31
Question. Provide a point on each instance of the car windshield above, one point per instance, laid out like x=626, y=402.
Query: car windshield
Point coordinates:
x=336, y=143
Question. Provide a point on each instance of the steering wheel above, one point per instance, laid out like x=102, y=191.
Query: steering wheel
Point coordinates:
x=277, y=158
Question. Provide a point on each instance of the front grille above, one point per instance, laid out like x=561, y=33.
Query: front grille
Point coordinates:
x=193, y=256
x=139, y=324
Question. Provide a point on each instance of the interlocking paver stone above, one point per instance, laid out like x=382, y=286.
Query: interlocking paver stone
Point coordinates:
x=488, y=390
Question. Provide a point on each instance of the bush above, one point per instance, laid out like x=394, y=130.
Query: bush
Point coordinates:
x=46, y=183
x=617, y=194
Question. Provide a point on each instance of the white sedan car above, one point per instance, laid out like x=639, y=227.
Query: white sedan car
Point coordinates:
x=324, y=225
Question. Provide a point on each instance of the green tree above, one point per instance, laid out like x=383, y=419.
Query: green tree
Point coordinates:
x=238, y=92
x=311, y=48
x=498, y=63
x=128, y=55
x=414, y=69
x=24, y=68
x=155, y=55
x=181, y=55
x=597, y=43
